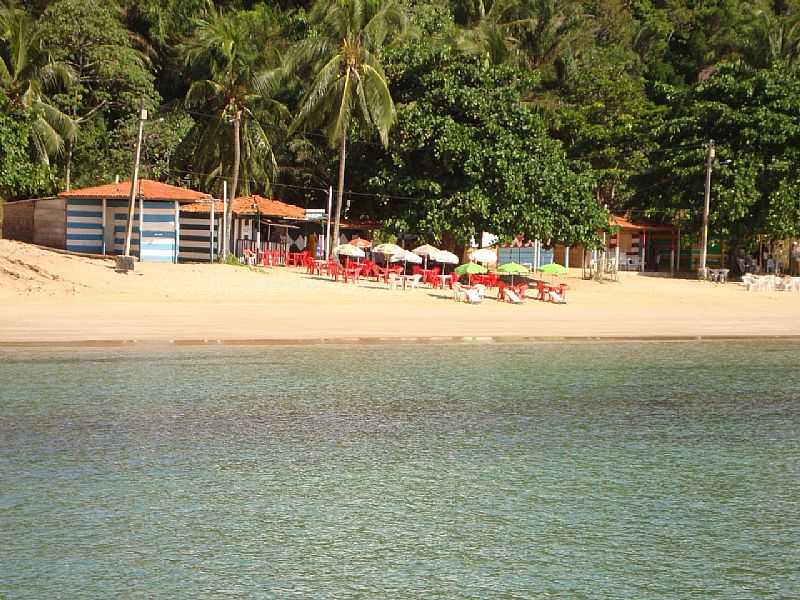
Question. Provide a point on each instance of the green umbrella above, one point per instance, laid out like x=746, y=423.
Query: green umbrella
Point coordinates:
x=512, y=269
x=469, y=269
x=554, y=269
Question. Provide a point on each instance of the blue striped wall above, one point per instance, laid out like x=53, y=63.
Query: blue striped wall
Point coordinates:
x=85, y=226
x=159, y=235
x=121, y=222
x=160, y=230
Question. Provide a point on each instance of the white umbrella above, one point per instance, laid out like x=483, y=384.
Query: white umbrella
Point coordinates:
x=349, y=250
x=427, y=251
x=443, y=256
x=484, y=255
x=406, y=256
x=446, y=258
x=388, y=249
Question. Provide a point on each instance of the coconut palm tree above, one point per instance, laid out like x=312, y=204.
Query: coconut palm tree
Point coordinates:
x=531, y=33
x=27, y=74
x=349, y=82
x=238, y=56
x=773, y=38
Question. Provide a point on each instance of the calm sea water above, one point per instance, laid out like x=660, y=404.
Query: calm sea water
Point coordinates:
x=487, y=471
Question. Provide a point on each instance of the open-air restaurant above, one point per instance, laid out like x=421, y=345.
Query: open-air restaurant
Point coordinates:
x=398, y=268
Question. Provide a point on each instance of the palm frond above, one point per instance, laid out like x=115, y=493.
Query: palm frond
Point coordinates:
x=62, y=123
x=203, y=91
x=46, y=139
x=312, y=108
x=379, y=102
x=344, y=96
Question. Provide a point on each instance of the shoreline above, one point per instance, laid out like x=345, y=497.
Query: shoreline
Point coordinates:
x=384, y=340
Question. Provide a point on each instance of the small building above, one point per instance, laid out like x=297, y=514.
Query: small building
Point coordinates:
x=635, y=246
x=36, y=221
x=258, y=223
x=96, y=219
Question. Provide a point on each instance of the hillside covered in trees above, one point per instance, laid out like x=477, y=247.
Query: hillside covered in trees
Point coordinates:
x=444, y=117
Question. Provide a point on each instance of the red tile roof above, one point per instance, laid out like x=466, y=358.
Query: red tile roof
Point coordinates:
x=252, y=205
x=625, y=224
x=151, y=190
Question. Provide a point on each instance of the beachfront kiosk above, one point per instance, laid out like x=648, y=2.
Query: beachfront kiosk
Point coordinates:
x=96, y=219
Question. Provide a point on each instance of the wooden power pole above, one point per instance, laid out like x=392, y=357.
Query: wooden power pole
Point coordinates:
x=134, y=185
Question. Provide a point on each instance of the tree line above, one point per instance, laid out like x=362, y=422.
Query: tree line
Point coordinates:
x=442, y=117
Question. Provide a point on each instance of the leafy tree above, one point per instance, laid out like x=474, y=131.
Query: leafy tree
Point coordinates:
x=754, y=118
x=349, y=87
x=111, y=77
x=27, y=74
x=603, y=106
x=21, y=176
x=234, y=51
x=469, y=155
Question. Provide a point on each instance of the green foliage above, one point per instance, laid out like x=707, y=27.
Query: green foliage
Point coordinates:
x=235, y=59
x=754, y=117
x=506, y=115
x=28, y=75
x=473, y=157
x=21, y=176
x=111, y=78
x=600, y=118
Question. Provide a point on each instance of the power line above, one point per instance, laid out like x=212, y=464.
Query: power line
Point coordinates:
x=175, y=171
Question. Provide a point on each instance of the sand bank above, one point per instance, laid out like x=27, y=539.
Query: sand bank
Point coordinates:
x=50, y=297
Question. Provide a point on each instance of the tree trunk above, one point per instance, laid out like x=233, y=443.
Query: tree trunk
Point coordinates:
x=342, y=157
x=68, y=167
x=237, y=121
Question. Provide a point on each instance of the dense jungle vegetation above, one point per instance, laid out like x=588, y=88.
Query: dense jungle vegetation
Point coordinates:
x=442, y=117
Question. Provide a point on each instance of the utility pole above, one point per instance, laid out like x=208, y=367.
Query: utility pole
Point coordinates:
x=225, y=223
x=703, y=272
x=134, y=185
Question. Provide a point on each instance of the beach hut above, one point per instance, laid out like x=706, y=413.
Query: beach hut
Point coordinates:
x=96, y=219
x=258, y=224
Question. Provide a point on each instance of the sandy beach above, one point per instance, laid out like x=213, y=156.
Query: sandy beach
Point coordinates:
x=49, y=297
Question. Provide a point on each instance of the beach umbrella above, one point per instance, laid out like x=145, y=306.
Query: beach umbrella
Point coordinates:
x=445, y=257
x=360, y=243
x=388, y=249
x=426, y=251
x=484, y=255
x=405, y=256
x=349, y=250
x=469, y=269
x=553, y=269
x=512, y=269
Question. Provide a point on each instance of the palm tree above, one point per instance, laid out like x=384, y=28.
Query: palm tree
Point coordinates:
x=27, y=73
x=773, y=38
x=234, y=52
x=349, y=84
x=531, y=33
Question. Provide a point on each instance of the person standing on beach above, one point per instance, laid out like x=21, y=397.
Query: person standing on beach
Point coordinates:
x=312, y=245
x=794, y=260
